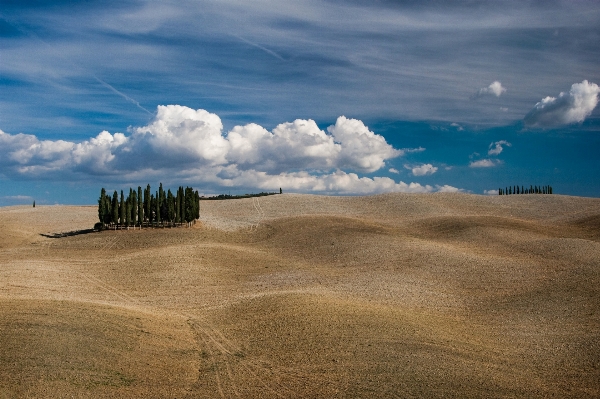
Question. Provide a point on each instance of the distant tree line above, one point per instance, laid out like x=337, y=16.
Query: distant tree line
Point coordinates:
x=523, y=190
x=147, y=209
x=228, y=196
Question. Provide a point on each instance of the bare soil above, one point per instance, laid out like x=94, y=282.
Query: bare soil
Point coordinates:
x=300, y=296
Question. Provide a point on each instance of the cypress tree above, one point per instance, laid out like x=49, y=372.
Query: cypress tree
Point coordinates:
x=134, y=208
x=161, y=194
x=157, y=208
x=197, y=204
x=107, y=209
x=189, y=204
x=140, y=208
x=170, y=206
x=164, y=206
x=122, y=209
x=177, y=207
x=148, y=204
x=181, y=204
x=115, y=208
x=128, y=211
x=101, y=206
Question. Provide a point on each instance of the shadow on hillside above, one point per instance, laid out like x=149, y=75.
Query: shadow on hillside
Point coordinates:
x=67, y=233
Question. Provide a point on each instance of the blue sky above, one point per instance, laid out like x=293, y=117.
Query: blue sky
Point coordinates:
x=325, y=97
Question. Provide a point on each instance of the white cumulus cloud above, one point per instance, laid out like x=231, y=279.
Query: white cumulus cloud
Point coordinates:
x=490, y=192
x=394, y=170
x=361, y=149
x=180, y=134
x=448, y=189
x=422, y=170
x=190, y=144
x=571, y=107
x=496, y=148
x=495, y=89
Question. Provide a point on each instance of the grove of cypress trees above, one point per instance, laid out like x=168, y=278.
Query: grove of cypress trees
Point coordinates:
x=161, y=208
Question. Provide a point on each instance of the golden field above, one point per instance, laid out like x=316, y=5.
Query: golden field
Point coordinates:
x=301, y=296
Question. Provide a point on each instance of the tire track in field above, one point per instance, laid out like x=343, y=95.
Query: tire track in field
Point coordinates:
x=223, y=354
x=230, y=352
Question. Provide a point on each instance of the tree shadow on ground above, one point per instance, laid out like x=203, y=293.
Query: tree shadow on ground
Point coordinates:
x=68, y=233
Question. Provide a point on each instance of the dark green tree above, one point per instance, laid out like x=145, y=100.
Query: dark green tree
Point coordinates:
x=101, y=206
x=114, y=206
x=157, y=208
x=134, y=208
x=128, y=211
x=181, y=199
x=140, y=216
x=197, y=204
x=122, y=209
x=170, y=206
x=189, y=204
x=107, y=210
x=148, y=204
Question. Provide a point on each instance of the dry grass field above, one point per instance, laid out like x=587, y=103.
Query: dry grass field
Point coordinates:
x=300, y=296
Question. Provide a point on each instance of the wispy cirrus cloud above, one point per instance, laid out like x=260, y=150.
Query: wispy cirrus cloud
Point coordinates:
x=484, y=163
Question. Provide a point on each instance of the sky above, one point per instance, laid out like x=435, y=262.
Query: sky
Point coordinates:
x=326, y=97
